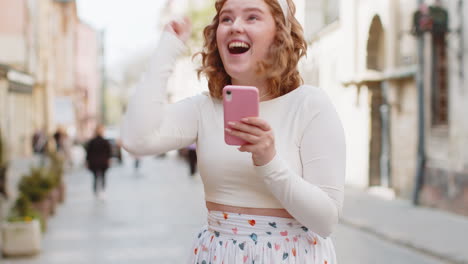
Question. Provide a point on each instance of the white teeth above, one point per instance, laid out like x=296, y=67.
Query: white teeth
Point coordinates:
x=238, y=44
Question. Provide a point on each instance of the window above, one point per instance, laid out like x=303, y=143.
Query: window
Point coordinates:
x=439, y=89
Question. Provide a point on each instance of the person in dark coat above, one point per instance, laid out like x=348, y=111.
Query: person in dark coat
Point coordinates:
x=192, y=158
x=98, y=154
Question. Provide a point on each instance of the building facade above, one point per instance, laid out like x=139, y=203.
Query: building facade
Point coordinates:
x=88, y=80
x=38, y=67
x=16, y=79
x=446, y=171
x=367, y=61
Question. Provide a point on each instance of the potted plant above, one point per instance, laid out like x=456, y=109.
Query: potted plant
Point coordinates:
x=36, y=187
x=21, y=233
x=53, y=179
x=55, y=173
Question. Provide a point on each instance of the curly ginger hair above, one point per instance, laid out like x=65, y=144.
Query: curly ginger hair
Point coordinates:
x=280, y=67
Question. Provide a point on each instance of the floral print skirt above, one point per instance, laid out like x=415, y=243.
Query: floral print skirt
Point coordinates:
x=231, y=238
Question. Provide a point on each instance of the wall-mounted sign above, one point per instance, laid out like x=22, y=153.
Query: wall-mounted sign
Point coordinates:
x=19, y=77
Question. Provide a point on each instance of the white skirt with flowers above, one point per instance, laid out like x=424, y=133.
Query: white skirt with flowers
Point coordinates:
x=231, y=238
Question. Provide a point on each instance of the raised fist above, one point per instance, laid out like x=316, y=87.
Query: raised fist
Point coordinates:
x=181, y=28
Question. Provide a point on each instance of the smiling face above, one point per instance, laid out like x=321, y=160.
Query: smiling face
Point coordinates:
x=245, y=32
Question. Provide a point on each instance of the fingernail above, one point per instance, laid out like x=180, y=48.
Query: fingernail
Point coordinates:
x=231, y=123
x=228, y=130
x=245, y=119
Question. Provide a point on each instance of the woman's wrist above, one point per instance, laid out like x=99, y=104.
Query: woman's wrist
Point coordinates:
x=273, y=171
x=265, y=159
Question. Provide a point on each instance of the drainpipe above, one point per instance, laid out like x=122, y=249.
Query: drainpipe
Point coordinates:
x=461, y=35
x=421, y=160
x=385, y=143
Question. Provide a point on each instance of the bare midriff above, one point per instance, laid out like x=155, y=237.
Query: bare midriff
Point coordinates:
x=277, y=212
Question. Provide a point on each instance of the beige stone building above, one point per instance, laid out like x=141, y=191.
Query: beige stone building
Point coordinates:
x=56, y=29
x=38, y=66
x=37, y=40
x=16, y=80
x=45, y=39
x=87, y=91
x=446, y=173
x=363, y=53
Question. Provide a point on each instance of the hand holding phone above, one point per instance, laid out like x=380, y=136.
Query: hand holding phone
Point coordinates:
x=238, y=102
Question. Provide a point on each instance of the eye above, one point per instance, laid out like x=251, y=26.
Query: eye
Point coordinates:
x=225, y=19
x=253, y=17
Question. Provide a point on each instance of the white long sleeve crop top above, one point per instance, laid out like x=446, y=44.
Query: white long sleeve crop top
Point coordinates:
x=306, y=177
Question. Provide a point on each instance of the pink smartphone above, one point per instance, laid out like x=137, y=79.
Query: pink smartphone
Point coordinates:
x=238, y=102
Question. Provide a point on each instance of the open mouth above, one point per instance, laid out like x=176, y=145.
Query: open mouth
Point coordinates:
x=238, y=47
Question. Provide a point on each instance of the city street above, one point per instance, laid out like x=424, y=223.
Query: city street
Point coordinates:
x=151, y=215
x=368, y=97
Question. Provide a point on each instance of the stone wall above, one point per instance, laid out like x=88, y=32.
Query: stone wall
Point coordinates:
x=404, y=132
x=446, y=189
x=446, y=177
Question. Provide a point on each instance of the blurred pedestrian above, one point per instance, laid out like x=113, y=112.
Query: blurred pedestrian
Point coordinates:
x=58, y=138
x=277, y=198
x=98, y=155
x=39, y=145
x=136, y=163
x=192, y=158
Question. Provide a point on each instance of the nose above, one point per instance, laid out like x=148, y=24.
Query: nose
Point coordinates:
x=237, y=26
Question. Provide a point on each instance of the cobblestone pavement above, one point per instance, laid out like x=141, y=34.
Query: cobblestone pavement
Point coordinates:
x=151, y=216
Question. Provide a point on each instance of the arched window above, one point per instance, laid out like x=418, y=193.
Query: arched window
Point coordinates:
x=376, y=46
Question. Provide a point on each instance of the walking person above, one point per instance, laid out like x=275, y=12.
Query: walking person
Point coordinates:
x=277, y=198
x=192, y=158
x=136, y=163
x=58, y=139
x=98, y=155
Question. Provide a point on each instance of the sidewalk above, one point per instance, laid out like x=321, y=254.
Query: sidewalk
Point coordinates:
x=142, y=219
x=150, y=216
x=430, y=231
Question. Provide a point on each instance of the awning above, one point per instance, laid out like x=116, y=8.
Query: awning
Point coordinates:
x=371, y=76
x=18, y=82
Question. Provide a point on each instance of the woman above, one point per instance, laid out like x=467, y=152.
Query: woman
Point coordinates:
x=277, y=198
